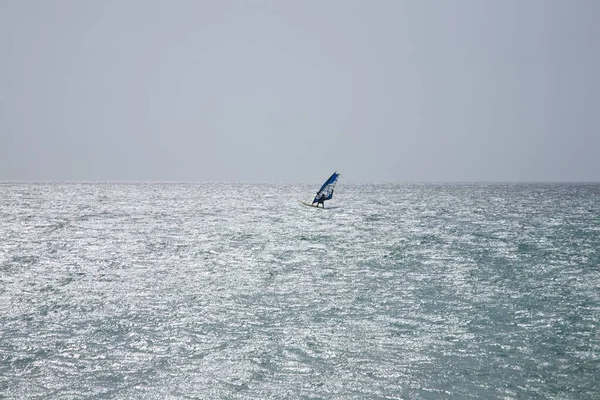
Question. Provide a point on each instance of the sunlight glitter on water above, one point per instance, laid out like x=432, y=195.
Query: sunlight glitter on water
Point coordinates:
x=216, y=290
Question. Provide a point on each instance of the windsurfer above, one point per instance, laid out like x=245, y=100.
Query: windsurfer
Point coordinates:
x=326, y=191
x=321, y=200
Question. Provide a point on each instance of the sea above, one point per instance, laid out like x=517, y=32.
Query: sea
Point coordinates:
x=238, y=291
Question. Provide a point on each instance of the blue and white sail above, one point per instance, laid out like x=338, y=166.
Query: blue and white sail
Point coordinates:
x=326, y=191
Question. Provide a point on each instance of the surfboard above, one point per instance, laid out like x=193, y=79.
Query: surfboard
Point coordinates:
x=310, y=205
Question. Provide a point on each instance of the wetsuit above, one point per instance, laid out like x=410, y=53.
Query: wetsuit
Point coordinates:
x=321, y=201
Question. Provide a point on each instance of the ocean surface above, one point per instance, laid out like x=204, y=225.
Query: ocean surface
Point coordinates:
x=237, y=291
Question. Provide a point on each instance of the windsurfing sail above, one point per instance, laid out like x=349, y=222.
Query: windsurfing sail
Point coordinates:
x=327, y=188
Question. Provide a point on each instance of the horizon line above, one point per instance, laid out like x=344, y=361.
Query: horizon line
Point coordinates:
x=281, y=182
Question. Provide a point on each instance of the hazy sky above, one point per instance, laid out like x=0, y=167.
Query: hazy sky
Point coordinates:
x=205, y=90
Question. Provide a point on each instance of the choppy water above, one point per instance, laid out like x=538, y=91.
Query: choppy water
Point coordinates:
x=238, y=291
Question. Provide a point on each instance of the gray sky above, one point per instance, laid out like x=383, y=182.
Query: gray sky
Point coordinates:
x=286, y=90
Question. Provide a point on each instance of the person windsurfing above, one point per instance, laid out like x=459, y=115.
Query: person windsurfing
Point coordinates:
x=320, y=200
x=325, y=192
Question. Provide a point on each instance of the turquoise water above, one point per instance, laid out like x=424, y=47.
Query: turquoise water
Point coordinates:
x=239, y=291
